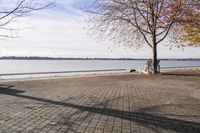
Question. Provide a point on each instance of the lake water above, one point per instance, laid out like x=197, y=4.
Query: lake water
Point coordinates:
x=35, y=66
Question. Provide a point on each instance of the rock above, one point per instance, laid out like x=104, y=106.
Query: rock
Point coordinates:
x=132, y=70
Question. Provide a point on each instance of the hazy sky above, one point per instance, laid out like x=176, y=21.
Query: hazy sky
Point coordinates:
x=59, y=32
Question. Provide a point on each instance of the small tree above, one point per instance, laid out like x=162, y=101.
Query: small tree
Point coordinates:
x=133, y=22
x=11, y=10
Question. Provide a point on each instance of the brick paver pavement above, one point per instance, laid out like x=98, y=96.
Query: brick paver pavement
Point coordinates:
x=118, y=103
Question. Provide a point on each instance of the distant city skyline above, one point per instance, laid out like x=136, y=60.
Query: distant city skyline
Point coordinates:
x=61, y=31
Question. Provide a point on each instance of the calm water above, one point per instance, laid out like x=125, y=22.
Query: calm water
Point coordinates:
x=31, y=66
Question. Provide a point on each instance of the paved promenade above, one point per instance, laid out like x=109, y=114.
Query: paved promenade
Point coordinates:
x=118, y=103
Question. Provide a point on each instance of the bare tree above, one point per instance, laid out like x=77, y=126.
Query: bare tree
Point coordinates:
x=133, y=22
x=11, y=10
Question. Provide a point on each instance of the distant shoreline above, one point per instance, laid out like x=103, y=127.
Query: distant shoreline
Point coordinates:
x=53, y=58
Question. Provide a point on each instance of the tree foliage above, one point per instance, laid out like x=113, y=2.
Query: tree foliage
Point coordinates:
x=191, y=27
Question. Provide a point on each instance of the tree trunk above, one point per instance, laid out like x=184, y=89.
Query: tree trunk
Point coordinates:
x=154, y=54
x=154, y=58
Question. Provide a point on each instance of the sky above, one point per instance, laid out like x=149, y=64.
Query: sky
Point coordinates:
x=61, y=31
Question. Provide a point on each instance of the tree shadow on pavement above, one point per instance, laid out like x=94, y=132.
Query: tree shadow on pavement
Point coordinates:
x=6, y=89
x=145, y=119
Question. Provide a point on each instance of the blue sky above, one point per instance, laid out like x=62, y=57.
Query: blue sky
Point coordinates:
x=60, y=32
